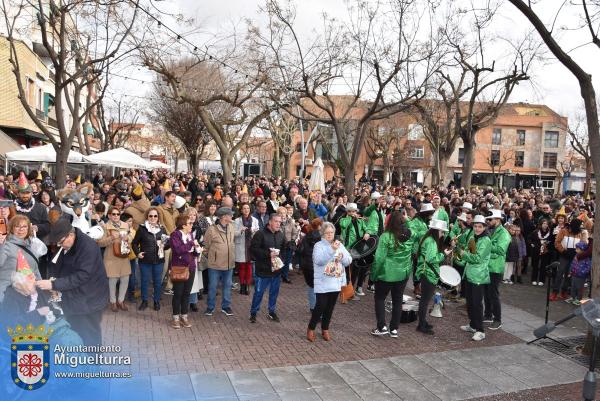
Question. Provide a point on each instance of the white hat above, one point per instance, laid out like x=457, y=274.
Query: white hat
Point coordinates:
x=438, y=225
x=352, y=207
x=467, y=205
x=496, y=214
x=479, y=219
x=426, y=207
x=179, y=202
x=462, y=217
x=375, y=195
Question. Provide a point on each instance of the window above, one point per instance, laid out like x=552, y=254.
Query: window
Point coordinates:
x=548, y=184
x=497, y=136
x=415, y=132
x=551, y=139
x=417, y=152
x=550, y=160
x=520, y=137
x=461, y=155
x=495, y=158
x=519, y=158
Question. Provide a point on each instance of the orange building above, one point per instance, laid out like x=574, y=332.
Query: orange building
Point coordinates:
x=523, y=147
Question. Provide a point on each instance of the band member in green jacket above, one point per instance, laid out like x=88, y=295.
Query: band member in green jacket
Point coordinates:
x=390, y=272
x=375, y=226
x=500, y=238
x=418, y=228
x=353, y=229
x=440, y=211
x=477, y=258
x=431, y=254
x=462, y=236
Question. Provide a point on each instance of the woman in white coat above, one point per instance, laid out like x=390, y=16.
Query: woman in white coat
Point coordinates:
x=328, y=282
x=245, y=227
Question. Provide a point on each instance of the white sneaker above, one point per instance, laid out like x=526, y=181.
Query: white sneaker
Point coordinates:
x=478, y=336
x=510, y=282
x=360, y=292
x=540, y=284
x=468, y=329
x=534, y=283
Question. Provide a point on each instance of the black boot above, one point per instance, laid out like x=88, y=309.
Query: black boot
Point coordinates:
x=156, y=306
x=143, y=305
x=242, y=289
x=423, y=328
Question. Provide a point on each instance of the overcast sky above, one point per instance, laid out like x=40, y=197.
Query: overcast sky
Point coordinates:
x=553, y=84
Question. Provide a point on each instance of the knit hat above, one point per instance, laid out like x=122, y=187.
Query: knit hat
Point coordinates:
x=23, y=184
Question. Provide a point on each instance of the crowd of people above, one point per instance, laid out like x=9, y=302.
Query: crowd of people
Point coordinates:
x=104, y=242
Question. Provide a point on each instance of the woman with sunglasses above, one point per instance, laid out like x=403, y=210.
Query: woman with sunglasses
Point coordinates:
x=149, y=245
x=117, y=266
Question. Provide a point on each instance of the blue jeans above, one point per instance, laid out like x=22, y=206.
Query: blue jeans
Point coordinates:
x=132, y=277
x=287, y=260
x=260, y=285
x=213, y=281
x=155, y=271
x=312, y=298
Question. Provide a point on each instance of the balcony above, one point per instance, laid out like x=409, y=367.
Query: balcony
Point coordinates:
x=52, y=122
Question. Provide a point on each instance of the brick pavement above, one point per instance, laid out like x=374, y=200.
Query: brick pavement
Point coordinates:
x=221, y=343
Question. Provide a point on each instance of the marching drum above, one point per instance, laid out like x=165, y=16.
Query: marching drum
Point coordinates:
x=409, y=311
x=449, y=276
x=363, y=251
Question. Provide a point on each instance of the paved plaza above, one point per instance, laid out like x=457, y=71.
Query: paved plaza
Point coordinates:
x=228, y=358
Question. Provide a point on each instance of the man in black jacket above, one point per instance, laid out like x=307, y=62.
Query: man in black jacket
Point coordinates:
x=77, y=272
x=264, y=248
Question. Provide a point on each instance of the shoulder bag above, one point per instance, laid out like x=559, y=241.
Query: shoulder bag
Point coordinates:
x=347, y=291
x=179, y=273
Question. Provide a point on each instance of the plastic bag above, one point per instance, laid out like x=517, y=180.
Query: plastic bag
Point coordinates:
x=38, y=248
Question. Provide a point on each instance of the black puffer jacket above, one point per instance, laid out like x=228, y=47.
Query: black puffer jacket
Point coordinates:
x=145, y=241
x=260, y=250
x=306, y=260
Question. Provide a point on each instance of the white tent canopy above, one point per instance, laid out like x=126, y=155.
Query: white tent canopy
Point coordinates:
x=119, y=157
x=44, y=154
x=158, y=164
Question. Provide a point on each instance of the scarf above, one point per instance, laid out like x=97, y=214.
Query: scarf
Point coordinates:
x=152, y=228
x=25, y=207
x=540, y=237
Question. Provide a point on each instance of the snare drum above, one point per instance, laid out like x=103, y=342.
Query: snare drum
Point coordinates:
x=449, y=276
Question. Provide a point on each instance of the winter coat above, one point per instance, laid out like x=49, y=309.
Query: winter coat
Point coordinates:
x=81, y=277
x=182, y=250
x=441, y=214
x=477, y=264
x=393, y=261
x=137, y=210
x=306, y=252
x=428, y=264
x=167, y=217
x=462, y=243
x=8, y=260
x=262, y=220
x=581, y=268
x=260, y=249
x=242, y=245
x=500, y=239
x=351, y=233
x=219, y=245
x=418, y=229
x=512, y=253
x=290, y=231
x=145, y=241
x=535, y=242
x=115, y=266
x=38, y=215
x=323, y=253
x=320, y=209
x=565, y=241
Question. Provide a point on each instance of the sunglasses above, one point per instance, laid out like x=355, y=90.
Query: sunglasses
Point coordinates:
x=115, y=214
x=152, y=215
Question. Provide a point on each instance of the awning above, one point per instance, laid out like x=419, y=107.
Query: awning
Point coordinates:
x=24, y=132
x=7, y=144
x=119, y=157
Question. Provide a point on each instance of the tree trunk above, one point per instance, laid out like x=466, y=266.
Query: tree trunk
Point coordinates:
x=386, y=170
x=286, y=165
x=193, y=162
x=467, y=171
x=227, y=166
x=176, y=161
x=62, y=156
x=350, y=181
x=588, y=178
x=276, y=166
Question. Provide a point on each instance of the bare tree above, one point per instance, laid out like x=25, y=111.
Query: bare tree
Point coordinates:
x=588, y=11
x=579, y=141
x=282, y=127
x=496, y=164
x=375, y=55
x=381, y=142
x=118, y=122
x=181, y=121
x=80, y=40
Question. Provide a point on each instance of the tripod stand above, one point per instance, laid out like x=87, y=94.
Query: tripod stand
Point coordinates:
x=550, y=274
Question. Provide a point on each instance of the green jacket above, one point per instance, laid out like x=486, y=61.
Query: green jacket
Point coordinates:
x=418, y=229
x=441, y=214
x=349, y=237
x=369, y=209
x=429, y=261
x=462, y=243
x=373, y=227
x=500, y=240
x=392, y=263
x=455, y=231
x=476, y=269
